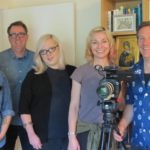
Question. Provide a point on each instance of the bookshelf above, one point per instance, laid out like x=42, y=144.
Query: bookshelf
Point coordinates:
x=109, y=5
x=121, y=36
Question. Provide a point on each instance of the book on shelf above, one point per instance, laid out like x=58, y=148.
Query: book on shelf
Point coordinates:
x=124, y=11
x=110, y=21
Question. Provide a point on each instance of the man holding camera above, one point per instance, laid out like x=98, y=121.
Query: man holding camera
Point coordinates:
x=137, y=109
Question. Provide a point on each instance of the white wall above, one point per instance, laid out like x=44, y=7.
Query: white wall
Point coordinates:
x=87, y=16
x=1, y=30
x=55, y=19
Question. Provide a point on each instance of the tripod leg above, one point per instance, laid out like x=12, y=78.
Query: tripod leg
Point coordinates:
x=109, y=136
x=102, y=140
x=105, y=139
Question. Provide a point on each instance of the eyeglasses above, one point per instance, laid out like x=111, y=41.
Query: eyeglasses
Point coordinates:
x=19, y=34
x=50, y=50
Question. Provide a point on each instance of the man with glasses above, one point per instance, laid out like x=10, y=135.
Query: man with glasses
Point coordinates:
x=15, y=62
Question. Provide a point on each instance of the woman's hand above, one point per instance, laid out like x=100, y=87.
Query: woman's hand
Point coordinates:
x=35, y=141
x=73, y=143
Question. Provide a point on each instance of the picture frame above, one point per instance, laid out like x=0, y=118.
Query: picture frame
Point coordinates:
x=125, y=22
x=127, y=50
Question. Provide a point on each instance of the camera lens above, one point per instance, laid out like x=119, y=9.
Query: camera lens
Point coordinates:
x=105, y=90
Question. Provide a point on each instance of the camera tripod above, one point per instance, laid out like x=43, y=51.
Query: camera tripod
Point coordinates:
x=108, y=126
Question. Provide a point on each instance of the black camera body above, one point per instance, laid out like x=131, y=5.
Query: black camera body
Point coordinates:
x=108, y=91
x=109, y=86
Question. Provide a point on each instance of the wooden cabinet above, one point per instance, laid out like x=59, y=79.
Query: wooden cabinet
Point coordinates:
x=107, y=5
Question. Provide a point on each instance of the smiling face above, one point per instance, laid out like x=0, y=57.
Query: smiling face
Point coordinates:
x=100, y=46
x=18, y=38
x=144, y=41
x=50, y=58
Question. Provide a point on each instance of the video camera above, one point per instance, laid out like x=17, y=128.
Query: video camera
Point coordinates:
x=109, y=86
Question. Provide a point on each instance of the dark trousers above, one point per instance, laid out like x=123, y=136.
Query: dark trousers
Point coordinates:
x=82, y=138
x=56, y=144
x=2, y=148
x=11, y=137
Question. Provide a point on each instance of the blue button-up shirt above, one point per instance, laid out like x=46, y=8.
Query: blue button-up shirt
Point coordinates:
x=5, y=102
x=15, y=69
x=138, y=94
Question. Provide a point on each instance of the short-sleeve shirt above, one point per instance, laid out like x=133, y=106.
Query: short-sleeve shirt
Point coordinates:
x=89, y=78
x=138, y=95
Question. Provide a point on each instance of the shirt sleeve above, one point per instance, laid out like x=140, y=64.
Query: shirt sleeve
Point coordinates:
x=26, y=94
x=6, y=105
x=77, y=75
x=129, y=94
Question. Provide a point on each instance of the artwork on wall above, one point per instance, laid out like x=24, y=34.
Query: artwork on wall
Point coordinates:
x=127, y=50
x=125, y=22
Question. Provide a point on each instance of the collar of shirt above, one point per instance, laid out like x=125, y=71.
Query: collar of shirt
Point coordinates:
x=12, y=54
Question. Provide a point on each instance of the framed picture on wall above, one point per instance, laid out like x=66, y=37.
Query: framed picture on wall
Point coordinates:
x=124, y=23
x=127, y=51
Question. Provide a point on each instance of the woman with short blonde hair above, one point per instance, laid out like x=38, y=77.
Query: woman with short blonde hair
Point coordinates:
x=40, y=65
x=89, y=55
x=45, y=96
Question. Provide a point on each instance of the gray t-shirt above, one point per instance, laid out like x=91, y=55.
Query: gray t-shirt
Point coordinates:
x=89, y=79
